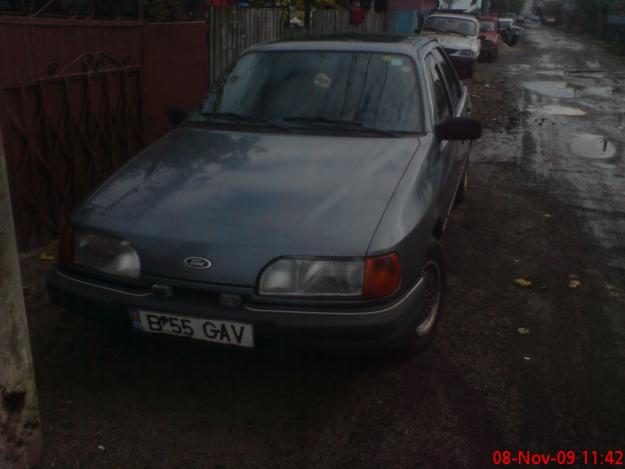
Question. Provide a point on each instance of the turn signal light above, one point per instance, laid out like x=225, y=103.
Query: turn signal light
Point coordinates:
x=382, y=276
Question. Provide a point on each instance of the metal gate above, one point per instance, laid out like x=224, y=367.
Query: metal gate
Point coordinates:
x=64, y=134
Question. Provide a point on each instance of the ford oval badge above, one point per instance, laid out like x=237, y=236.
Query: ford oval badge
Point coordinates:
x=198, y=263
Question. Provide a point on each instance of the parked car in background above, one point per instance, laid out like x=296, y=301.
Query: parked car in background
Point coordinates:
x=489, y=35
x=459, y=36
x=303, y=199
x=550, y=20
x=509, y=33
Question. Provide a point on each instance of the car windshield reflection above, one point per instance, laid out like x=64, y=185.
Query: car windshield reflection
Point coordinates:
x=359, y=91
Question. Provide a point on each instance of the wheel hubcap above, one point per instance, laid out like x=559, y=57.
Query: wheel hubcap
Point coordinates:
x=432, y=300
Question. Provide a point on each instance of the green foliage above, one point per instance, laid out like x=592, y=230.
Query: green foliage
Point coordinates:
x=594, y=8
x=162, y=10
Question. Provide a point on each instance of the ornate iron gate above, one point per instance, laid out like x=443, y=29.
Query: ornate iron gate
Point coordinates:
x=65, y=134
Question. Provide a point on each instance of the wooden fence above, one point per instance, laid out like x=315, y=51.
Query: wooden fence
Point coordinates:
x=232, y=30
x=337, y=21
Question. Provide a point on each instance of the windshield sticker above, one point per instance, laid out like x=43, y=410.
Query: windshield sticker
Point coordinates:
x=405, y=68
x=322, y=80
x=397, y=62
x=386, y=58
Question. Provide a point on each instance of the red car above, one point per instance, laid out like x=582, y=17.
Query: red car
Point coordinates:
x=489, y=35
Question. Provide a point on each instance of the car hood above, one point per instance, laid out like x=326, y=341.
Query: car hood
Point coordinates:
x=452, y=41
x=242, y=199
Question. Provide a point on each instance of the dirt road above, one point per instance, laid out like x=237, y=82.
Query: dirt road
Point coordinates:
x=546, y=204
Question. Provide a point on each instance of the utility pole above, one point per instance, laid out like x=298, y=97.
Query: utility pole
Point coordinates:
x=20, y=432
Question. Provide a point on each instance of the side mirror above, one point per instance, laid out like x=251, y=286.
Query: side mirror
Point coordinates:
x=176, y=116
x=459, y=128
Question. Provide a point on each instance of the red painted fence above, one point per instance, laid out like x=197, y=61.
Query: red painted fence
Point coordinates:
x=80, y=97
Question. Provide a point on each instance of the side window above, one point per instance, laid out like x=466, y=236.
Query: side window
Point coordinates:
x=453, y=85
x=441, y=101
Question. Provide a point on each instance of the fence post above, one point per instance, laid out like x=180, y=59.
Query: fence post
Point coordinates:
x=20, y=432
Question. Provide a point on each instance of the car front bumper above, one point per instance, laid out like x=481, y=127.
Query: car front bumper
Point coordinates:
x=488, y=49
x=382, y=326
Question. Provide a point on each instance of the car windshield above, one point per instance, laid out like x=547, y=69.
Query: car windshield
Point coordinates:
x=487, y=26
x=318, y=89
x=450, y=25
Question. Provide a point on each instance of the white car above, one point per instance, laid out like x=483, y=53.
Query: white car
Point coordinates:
x=459, y=36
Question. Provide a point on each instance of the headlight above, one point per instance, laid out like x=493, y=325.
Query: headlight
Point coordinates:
x=109, y=255
x=312, y=277
x=466, y=52
x=375, y=277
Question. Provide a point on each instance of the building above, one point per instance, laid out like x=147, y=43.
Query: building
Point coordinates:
x=407, y=16
x=462, y=6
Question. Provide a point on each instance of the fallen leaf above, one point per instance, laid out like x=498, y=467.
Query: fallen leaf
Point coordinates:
x=573, y=276
x=523, y=330
x=101, y=448
x=574, y=284
x=521, y=282
x=526, y=357
x=547, y=215
x=46, y=257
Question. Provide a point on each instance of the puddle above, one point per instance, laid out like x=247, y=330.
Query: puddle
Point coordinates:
x=561, y=89
x=557, y=110
x=551, y=73
x=518, y=67
x=555, y=89
x=592, y=146
x=605, y=165
x=604, y=91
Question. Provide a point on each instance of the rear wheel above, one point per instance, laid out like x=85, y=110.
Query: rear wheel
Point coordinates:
x=434, y=276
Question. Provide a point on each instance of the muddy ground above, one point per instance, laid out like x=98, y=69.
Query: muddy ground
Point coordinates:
x=535, y=211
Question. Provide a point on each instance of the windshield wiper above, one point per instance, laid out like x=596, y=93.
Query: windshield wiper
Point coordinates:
x=339, y=123
x=234, y=117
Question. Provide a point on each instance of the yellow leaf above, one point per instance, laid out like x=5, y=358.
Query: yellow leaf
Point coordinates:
x=46, y=257
x=574, y=284
x=521, y=282
x=547, y=215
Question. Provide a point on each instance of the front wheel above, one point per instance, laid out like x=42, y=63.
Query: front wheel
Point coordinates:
x=434, y=276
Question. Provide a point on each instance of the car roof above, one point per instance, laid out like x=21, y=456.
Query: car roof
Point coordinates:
x=369, y=42
x=454, y=15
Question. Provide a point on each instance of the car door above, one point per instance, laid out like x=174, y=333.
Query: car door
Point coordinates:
x=446, y=150
x=460, y=105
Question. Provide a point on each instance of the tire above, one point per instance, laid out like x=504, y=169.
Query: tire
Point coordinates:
x=435, y=276
x=462, y=188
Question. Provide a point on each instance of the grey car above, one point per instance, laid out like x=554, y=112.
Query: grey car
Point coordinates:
x=303, y=200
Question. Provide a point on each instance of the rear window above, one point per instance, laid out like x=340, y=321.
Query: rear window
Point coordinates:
x=450, y=25
x=487, y=26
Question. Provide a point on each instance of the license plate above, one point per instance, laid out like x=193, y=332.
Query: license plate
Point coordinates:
x=211, y=330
